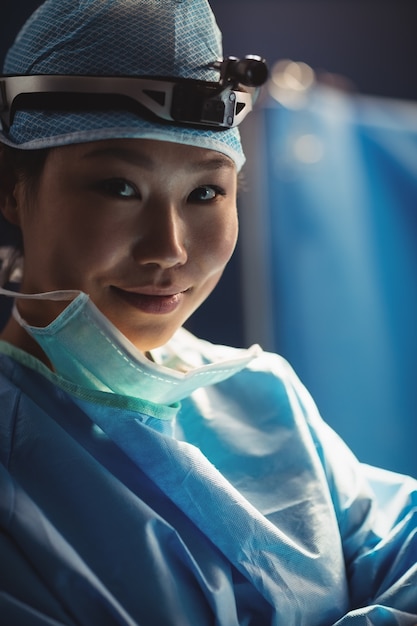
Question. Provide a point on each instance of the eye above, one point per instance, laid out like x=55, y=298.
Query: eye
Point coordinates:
x=118, y=188
x=205, y=193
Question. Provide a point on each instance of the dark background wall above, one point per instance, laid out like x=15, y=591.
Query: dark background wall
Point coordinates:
x=372, y=42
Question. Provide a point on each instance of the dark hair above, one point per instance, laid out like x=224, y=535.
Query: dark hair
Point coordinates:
x=25, y=165
x=19, y=165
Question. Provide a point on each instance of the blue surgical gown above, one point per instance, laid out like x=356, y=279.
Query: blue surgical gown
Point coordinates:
x=237, y=506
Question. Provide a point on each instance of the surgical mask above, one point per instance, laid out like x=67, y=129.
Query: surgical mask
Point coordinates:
x=85, y=348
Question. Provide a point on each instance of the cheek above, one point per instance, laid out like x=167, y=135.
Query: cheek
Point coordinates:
x=94, y=240
x=69, y=252
x=220, y=238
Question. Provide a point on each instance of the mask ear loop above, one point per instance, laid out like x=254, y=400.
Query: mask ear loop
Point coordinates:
x=59, y=295
x=9, y=266
x=63, y=294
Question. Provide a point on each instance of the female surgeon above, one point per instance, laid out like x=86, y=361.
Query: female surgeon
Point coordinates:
x=147, y=477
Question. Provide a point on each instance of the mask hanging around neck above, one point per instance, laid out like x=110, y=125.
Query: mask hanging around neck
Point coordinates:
x=85, y=348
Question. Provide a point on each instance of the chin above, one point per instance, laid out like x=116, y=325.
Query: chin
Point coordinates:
x=146, y=340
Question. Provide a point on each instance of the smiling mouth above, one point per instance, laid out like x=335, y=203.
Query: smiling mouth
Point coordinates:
x=153, y=304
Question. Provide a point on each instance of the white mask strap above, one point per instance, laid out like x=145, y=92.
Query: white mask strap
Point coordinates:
x=63, y=294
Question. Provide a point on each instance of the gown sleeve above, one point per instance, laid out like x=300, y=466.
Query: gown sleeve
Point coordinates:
x=43, y=581
x=376, y=511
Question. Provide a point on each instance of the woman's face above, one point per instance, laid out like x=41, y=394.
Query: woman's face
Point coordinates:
x=144, y=227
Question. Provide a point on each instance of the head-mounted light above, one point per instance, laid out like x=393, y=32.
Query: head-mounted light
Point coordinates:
x=214, y=105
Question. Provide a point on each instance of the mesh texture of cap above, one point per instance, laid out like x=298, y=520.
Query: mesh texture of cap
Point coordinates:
x=166, y=38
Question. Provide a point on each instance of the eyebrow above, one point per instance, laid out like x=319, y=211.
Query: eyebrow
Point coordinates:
x=135, y=157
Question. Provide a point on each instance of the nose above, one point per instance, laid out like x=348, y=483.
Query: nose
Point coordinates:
x=161, y=236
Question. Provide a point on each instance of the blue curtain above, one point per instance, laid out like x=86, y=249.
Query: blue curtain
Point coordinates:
x=341, y=218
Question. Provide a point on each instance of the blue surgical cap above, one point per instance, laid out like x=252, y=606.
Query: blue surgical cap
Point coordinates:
x=170, y=38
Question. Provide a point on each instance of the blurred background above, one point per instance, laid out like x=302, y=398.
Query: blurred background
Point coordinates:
x=325, y=272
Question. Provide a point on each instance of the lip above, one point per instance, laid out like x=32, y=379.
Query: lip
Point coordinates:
x=151, y=300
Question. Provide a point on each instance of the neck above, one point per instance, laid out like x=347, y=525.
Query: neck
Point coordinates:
x=14, y=334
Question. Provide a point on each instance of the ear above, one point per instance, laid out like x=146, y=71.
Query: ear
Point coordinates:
x=8, y=191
